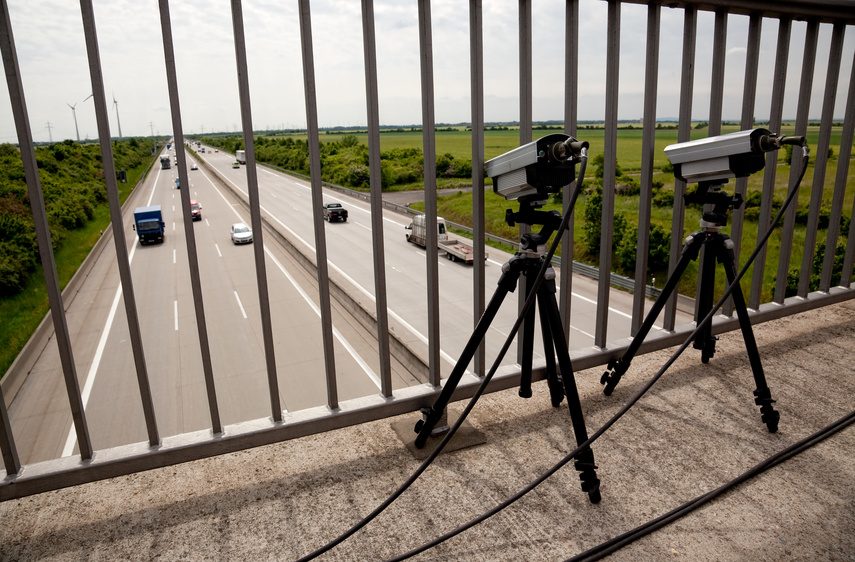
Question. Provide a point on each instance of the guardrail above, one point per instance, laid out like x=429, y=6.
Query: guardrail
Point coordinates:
x=818, y=15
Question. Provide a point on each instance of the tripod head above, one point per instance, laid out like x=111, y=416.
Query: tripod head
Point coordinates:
x=710, y=193
x=533, y=244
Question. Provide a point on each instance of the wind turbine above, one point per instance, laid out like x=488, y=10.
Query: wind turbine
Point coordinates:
x=74, y=113
x=119, y=123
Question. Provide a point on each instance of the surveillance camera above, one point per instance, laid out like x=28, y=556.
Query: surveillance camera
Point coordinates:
x=539, y=167
x=734, y=155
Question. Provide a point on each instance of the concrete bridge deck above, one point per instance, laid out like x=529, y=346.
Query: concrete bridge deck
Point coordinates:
x=695, y=430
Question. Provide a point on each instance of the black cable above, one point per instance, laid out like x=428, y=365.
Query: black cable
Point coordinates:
x=481, y=388
x=620, y=541
x=701, y=325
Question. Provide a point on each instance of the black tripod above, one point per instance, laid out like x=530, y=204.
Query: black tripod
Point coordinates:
x=528, y=261
x=720, y=247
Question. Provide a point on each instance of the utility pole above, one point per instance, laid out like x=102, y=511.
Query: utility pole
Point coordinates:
x=50, y=136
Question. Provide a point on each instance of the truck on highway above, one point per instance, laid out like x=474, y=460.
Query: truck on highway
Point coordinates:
x=148, y=224
x=164, y=162
x=240, y=156
x=455, y=250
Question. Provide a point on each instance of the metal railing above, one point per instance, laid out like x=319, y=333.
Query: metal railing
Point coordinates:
x=20, y=480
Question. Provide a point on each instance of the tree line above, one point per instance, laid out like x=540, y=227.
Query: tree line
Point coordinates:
x=72, y=178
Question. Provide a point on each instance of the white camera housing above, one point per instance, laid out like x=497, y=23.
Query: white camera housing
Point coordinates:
x=734, y=155
x=539, y=167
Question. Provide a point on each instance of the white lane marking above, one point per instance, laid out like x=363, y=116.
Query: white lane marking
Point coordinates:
x=71, y=441
x=242, y=311
x=365, y=367
x=173, y=226
x=173, y=256
x=176, y=315
x=217, y=246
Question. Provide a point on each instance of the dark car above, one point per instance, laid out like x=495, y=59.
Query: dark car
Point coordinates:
x=334, y=212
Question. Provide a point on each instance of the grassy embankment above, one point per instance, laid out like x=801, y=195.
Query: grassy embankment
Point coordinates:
x=23, y=312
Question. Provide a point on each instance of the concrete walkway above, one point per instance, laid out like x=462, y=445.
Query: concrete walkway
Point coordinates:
x=695, y=430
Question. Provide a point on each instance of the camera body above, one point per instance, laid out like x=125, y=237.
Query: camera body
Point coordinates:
x=734, y=155
x=540, y=167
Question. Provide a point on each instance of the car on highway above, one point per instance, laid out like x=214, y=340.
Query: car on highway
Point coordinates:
x=235, y=164
x=194, y=167
x=334, y=212
x=195, y=210
x=241, y=233
x=177, y=183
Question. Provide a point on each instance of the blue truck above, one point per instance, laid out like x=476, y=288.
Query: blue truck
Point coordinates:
x=148, y=223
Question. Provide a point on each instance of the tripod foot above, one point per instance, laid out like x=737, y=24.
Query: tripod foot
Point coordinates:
x=612, y=377
x=768, y=415
x=588, y=474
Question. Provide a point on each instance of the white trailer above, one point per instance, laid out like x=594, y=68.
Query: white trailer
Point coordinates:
x=455, y=250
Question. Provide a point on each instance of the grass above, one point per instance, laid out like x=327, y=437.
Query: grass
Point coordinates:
x=23, y=312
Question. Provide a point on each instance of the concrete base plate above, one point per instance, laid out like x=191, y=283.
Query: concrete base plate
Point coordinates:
x=466, y=436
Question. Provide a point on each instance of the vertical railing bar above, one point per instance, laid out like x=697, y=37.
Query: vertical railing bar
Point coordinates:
x=526, y=87
x=821, y=159
x=28, y=156
x=11, y=462
x=749, y=95
x=318, y=201
x=717, y=78
x=846, y=137
x=476, y=70
x=719, y=43
x=802, y=109
x=687, y=81
x=648, y=150
x=376, y=188
x=779, y=80
x=189, y=231
x=571, y=117
x=255, y=209
x=122, y=260
x=609, y=171
x=429, y=152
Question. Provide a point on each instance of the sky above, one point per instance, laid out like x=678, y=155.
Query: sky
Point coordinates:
x=55, y=70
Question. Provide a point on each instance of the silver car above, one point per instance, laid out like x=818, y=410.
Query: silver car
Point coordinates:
x=241, y=233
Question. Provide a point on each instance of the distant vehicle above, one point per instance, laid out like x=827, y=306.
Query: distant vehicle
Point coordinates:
x=202, y=150
x=168, y=145
x=177, y=183
x=334, y=212
x=455, y=250
x=195, y=210
x=164, y=162
x=148, y=224
x=241, y=233
x=240, y=156
x=235, y=164
x=216, y=150
x=194, y=166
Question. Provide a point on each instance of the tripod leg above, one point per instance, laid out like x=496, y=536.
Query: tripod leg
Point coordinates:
x=507, y=283
x=528, y=346
x=704, y=340
x=553, y=379
x=762, y=395
x=585, y=458
x=617, y=367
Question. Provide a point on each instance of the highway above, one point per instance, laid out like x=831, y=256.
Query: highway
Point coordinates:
x=40, y=416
